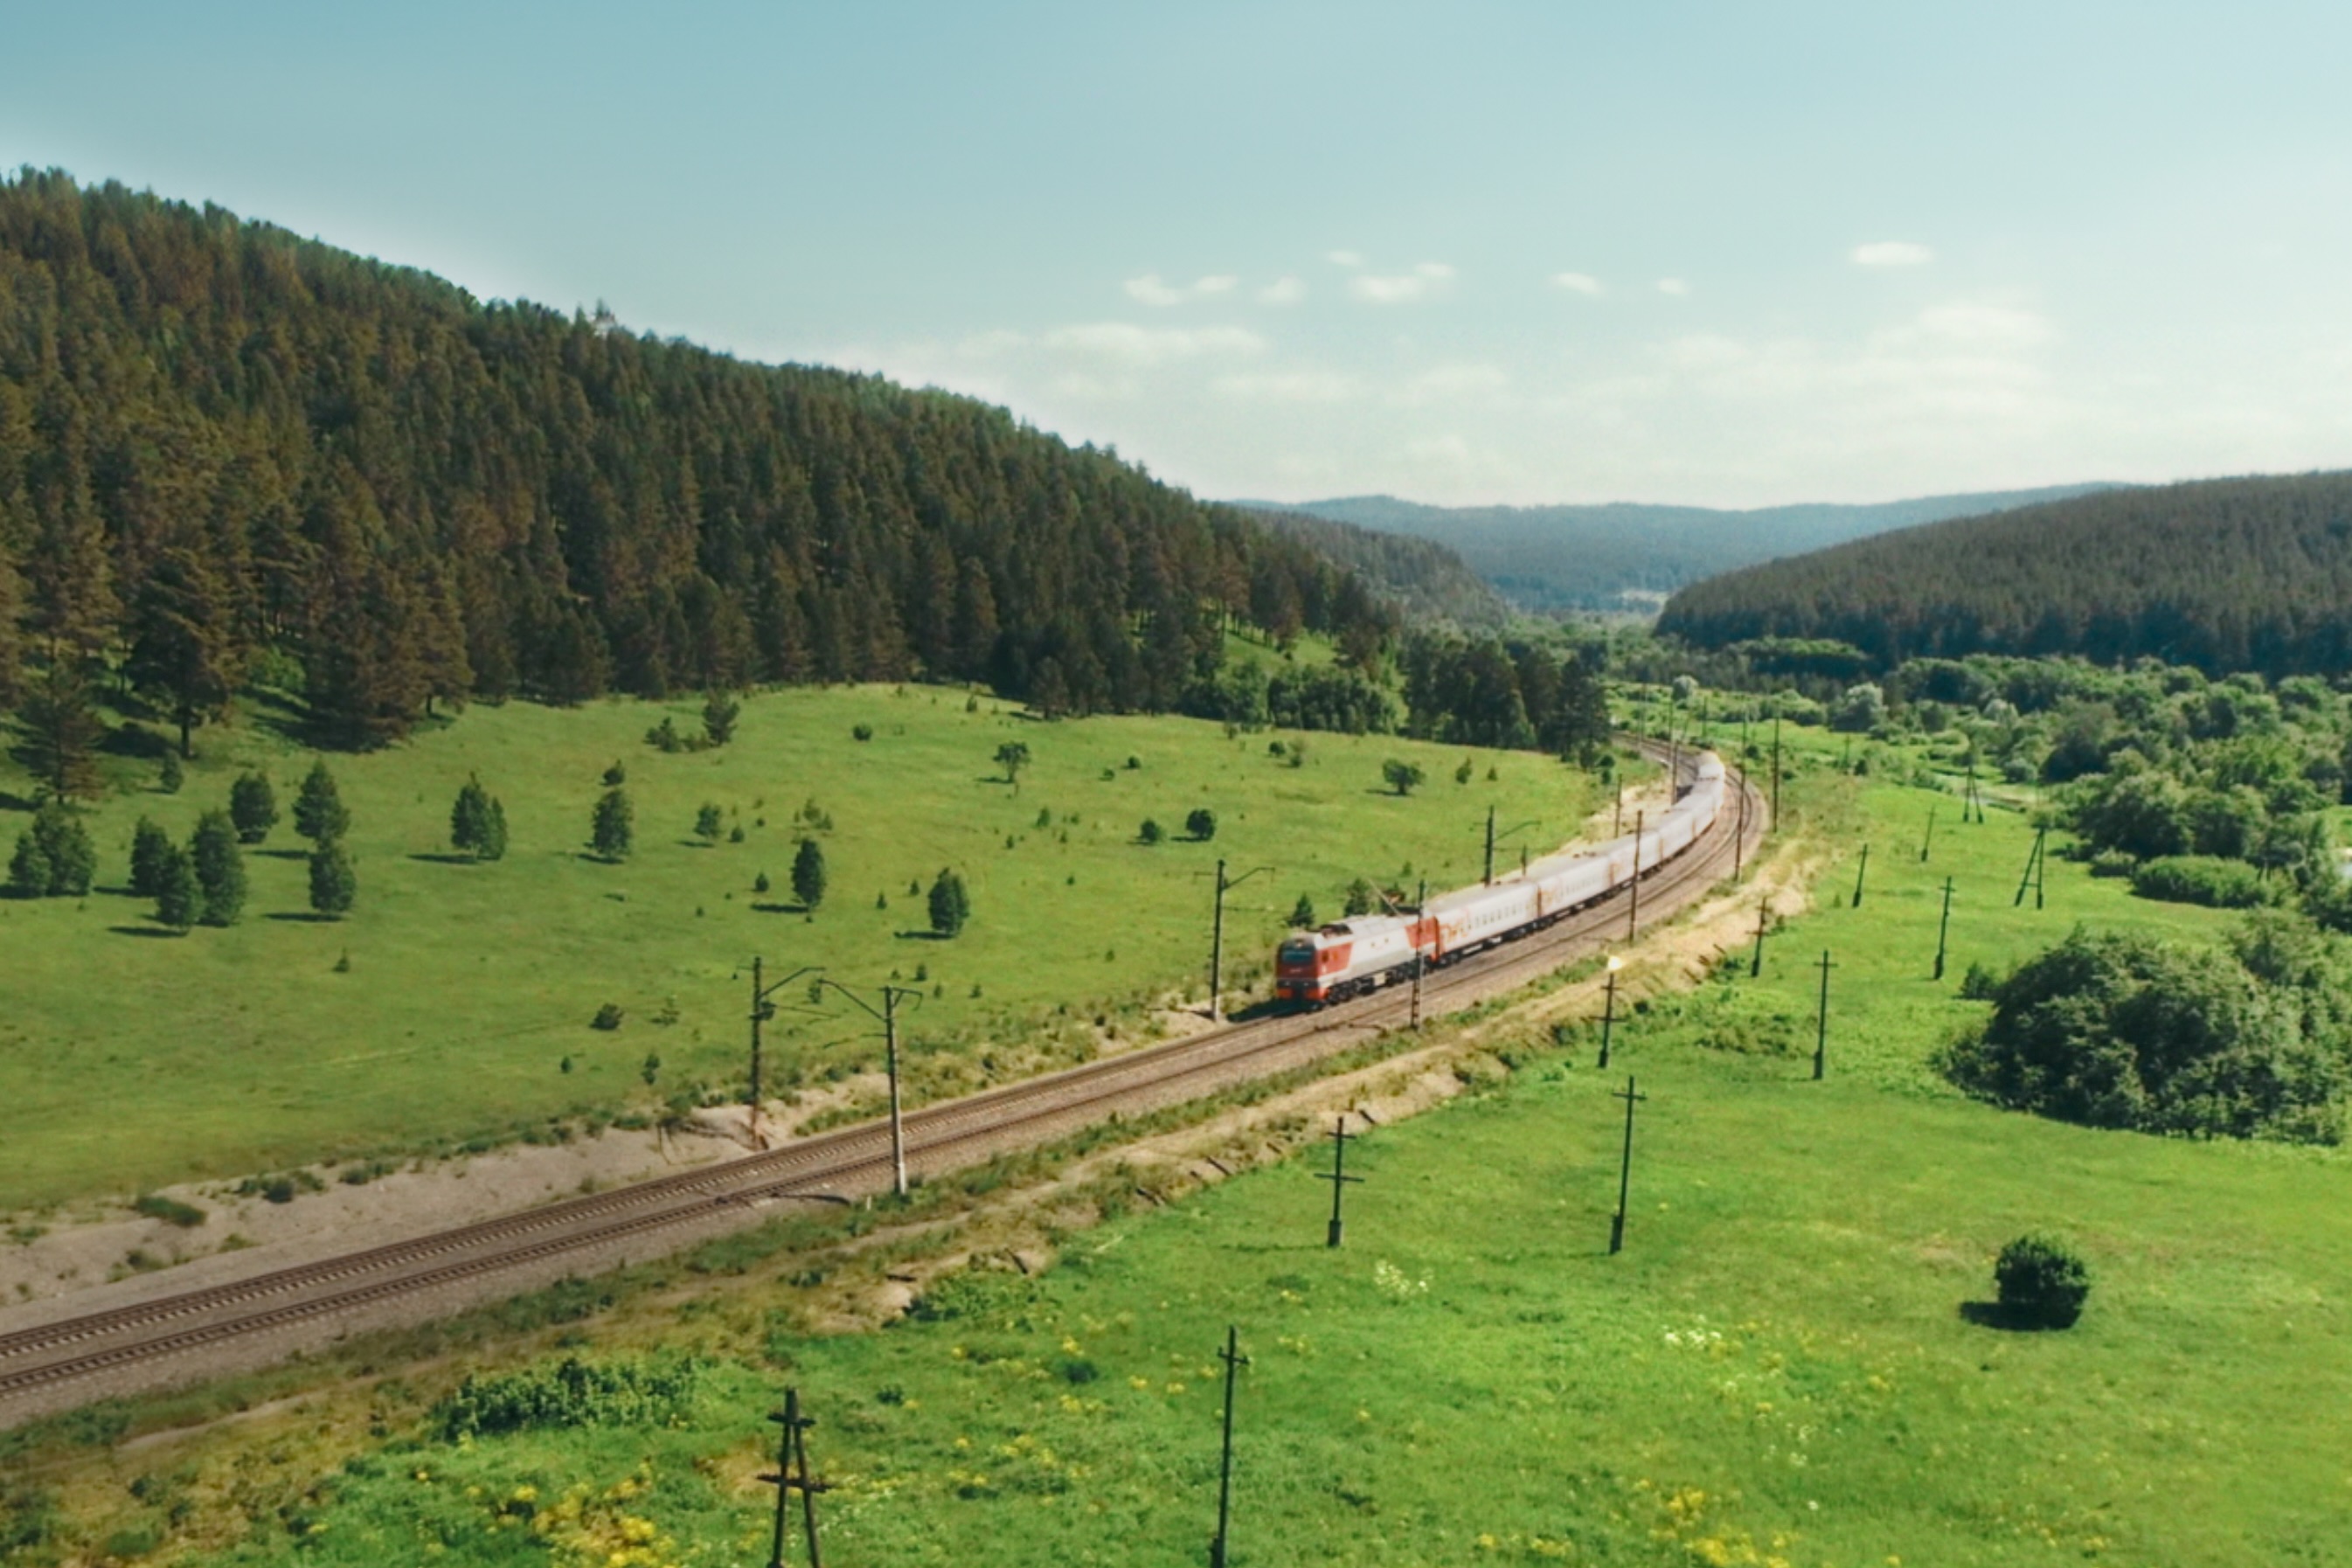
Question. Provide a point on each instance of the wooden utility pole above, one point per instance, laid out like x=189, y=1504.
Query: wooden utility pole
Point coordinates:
x=2033, y=877
x=1822, y=1023
x=1763, y=914
x=761, y=1011
x=1859, y=875
x=1338, y=1176
x=1929, y=837
x=792, y=1475
x=1634, y=909
x=1608, y=1008
x=1235, y=1361
x=1617, y=822
x=1944, y=927
x=1776, y=772
x=887, y=1016
x=1420, y=954
x=1624, y=1168
x=1739, y=834
x=1490, y=847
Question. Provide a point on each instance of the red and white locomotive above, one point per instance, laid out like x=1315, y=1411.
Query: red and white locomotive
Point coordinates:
x=1363, y=953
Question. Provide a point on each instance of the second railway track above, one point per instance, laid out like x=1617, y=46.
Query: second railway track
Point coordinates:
x=167, y=1339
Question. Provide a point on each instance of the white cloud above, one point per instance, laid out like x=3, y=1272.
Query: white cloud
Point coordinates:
x=1429, y=279
x=1673, y=286
x=1457, y=383
x=1122, y=343
x=2000, y=326
x=1345, y=258
x=990, y=344
x=1287, y=386
x=1151, y=289
x=1577, y=282
x=1282, y=292
x=1892, y=253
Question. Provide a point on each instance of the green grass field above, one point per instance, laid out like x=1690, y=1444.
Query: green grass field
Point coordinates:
x=1778, y=1370
x=130, y=1059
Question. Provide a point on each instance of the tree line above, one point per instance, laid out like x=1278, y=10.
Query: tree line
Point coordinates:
x=2223, y=576
x=230, y=457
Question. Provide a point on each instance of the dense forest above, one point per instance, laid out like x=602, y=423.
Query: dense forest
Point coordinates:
x=1427, y=580
x=2228, y=575
x=1619, y=555
x=231, y=456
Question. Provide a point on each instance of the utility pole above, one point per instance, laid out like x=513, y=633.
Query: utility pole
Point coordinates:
x=1763, y=914
x=1624, y=1167
x=761, y=1011
x=1929, y=836
x=792, y=1455
x=887, y=1016
x=1338, y=1176
x=1217, y=939
x=1420, y=955
x=1859, y=875
x=1617, y=822
x=1822, y=1023
x=1235, y=1361
x=1490, y=847
x=1944, y=929
x=1776, y=771
x=2032, y=877
x=1739, y=834
x=1633, y=909
x=1608, y=1008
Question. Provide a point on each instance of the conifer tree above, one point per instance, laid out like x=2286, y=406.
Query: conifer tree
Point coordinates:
x=494, y=832
x=808, y=874
x=719, y=716
x=1302, y=913
x=469, y=820
x=149, y=845
x=53, y=858
x=613, y=829
x=28, y=867
x=220, y=869
x=62, y=730
x=185, y=651
x=334, y=883
x=253, y=807
x=179, y=899
x=319, y=815
x=950, y=904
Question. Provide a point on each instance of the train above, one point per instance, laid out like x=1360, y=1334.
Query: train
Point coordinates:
x=1363, y=953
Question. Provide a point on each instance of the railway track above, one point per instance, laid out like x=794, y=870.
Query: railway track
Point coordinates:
x=238, y=1324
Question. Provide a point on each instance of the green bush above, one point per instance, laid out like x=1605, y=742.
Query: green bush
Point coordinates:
x=154, y=1205
x=2042, y=1283
x=253, y=807
x=2199, y=880
x=53, y=857
x=573, y=1392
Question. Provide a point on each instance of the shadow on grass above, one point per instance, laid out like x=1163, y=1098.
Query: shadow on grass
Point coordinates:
x=145, y=930
x=923, y=936
x=443, y=858
x=304, y=917
x=280, y=854
x=2007, y=1320
x=17, y=802
x=771, y=907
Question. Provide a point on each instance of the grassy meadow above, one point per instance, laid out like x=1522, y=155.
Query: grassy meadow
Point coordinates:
x=1779, y=1370
x=447, y=1007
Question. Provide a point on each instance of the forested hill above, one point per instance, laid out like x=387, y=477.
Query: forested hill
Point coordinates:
x=1427, y=579
x=1619, y=555
x=2226, y=574
x=224, y=449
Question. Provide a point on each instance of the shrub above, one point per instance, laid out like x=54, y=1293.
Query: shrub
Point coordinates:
x=2042, y=1283
x=710, y=823
x=252, y=806
x=334, y=883
x=664, y=736
x=861, y=732
x=570, y=1394
x=616, y=776
x=1151, y=832
x=320, y=814
x=1362, y=899
x=2199, y=880
x=1401, y=776
x=1302, y=913
x=53, y=857
x=171, y=775
x=220, y=869
x=1980, y=983
x=1201, y=823
x=759, y=883
x=608, y=1016
x=155, y=1206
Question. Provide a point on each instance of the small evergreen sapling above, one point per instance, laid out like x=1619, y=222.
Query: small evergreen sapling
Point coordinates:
x=171, y=775
x=1302, y=913
x=710, y=823
x=1151, y=832
x=2042, y=1282
x=149, y=845
x=612, y=831
x=178, y=898
x=719, y=716
x=252, y=807
x=475, y=822
x=220, y=869
x=950, y=904
x=319, y=815
x=53, y=857
x=1201, y=823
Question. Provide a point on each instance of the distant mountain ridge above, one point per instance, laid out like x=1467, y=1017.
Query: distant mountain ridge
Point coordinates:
x=1611, y=555
x=1426, y=580
x=2251, y=573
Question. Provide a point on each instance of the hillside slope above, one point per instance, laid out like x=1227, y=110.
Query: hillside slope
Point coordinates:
x=1550, y=558
x=2226, y=574
x=1427, y=580
x=222, y=445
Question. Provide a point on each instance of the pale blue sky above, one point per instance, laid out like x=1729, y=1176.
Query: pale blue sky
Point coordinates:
x=2107, y=240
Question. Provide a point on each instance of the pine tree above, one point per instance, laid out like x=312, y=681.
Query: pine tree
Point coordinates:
x=62, y=730
x=319, y=815
x=333, y=882
x=710, y=823
x=950, y=905
x=494, y=832
x=1302, y=914
x=808, y=874
x=149, y=845
x=220, y=869
x=469, y=820
x=171, y=775
x=55, y=858
x=253, y=807
x=184, y=650
x=719, y=716
x=179, y=899
x=28, y=867
x=613, y=828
